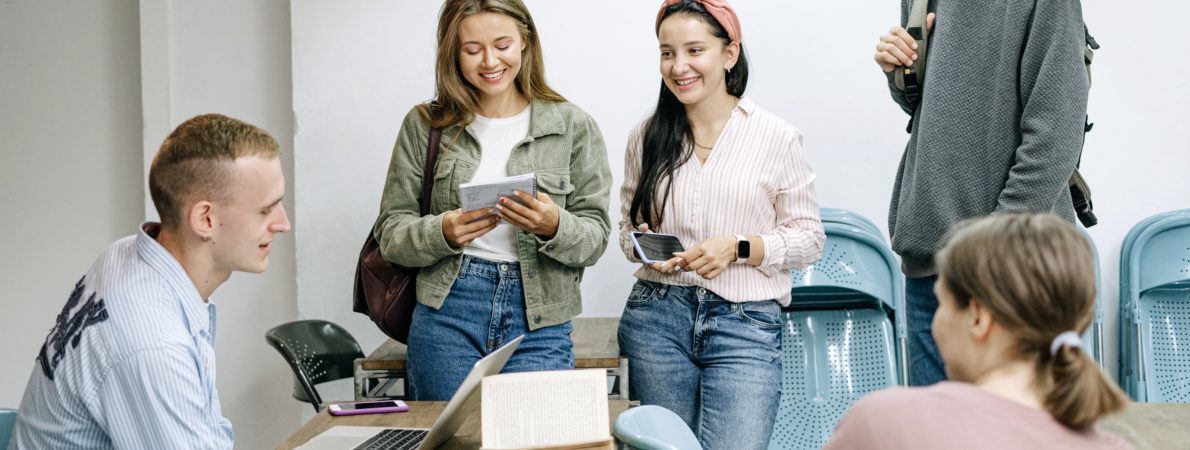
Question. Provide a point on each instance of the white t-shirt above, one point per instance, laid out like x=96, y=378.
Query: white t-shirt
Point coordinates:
x=497, y=137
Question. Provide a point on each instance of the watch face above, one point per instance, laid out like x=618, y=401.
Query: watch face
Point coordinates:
x=743, y=249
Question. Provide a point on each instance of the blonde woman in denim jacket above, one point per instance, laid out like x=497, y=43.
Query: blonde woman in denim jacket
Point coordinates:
x=488, y=276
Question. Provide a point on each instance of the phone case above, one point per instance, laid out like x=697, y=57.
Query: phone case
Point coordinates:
x=641, y=253
x=399, y=406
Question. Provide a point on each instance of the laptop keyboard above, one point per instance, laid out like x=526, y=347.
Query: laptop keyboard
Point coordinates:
x=399, y=439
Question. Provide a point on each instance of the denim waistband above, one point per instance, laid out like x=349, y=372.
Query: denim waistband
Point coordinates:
x=487, y=268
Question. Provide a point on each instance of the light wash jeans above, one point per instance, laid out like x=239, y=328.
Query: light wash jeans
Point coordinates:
x=925, y=363
x=484, y=310
x=715, y=363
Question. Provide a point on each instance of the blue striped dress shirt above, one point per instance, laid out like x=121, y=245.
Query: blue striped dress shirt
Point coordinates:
x=129, y=362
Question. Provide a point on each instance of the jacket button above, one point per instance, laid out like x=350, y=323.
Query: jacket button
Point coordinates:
x=536, y=319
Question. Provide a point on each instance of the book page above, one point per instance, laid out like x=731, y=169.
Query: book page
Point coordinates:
x=544, y=408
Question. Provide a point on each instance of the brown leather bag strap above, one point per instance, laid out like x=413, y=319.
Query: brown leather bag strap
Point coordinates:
x=427, y=178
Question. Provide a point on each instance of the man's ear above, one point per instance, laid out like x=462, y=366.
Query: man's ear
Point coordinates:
x=979, y=321
x=201, y=218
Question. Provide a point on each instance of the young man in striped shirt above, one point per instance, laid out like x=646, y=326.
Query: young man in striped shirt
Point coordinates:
x=130, y=361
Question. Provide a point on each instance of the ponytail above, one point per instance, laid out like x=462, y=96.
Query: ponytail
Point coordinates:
x=1075, y=392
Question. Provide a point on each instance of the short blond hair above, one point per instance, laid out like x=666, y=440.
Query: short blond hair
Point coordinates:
x=195, y=162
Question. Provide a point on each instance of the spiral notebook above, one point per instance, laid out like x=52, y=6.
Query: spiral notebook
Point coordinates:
x=486, y=194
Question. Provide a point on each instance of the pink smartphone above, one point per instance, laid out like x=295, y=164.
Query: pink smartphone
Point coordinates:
x=372, y=407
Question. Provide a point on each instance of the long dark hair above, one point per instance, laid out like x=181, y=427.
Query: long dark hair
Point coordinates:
x=666, y=134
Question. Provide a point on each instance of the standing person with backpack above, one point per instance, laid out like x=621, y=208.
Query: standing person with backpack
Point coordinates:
x=997, y=127
x=490, y=275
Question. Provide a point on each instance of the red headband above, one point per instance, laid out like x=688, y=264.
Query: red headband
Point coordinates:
x=719, y=9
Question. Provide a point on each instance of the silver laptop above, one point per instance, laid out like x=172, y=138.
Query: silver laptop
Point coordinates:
x=462, y=404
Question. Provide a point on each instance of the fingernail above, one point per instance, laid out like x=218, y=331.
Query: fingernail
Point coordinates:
x=914, y=44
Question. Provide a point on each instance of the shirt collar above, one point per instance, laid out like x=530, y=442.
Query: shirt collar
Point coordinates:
x=746, y=105
x=198, y=313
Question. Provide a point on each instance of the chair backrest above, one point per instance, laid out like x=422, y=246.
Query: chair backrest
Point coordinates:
x=846, y=217
x=1155, y=309
x=853, y=262
x=652, y=427
x=8, y=418
x=318, y=351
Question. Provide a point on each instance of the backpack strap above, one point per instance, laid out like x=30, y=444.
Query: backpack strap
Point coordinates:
x=909, y=78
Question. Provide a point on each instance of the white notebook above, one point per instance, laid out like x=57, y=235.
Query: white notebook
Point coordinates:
x=486, y=194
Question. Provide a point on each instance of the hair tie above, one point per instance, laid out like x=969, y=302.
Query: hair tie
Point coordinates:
x=1067, y=339
x=719, y=9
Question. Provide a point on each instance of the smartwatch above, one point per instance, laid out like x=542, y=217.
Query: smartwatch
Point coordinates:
x=743, y=248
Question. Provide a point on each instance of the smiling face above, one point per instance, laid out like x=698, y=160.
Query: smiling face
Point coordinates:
x=693, y=60
x=252, y=215
x=490, y=52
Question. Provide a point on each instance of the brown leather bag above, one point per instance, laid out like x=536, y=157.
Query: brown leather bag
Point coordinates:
x=387, y=292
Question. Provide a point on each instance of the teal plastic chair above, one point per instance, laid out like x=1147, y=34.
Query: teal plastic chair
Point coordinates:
x=1155, y=309
x=652, y=427
x=846, y=217
x=317, y=351
x=8, y=418
x=842, y=337
x=1093, y=337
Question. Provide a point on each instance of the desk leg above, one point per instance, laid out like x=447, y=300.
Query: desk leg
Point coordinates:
x=620, y=374
x=375, y=384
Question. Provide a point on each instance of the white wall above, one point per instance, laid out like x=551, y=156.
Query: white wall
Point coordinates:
x=69, y=160
x=232, y=57
x=360, y=65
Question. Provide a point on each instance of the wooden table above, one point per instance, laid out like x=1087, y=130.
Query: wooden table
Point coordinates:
x=595, y=347
x=420, y=415
x=1152, y=425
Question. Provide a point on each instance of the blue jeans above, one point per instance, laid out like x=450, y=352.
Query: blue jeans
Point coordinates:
x=925, y=363
x=715, y=363
x=484, y=309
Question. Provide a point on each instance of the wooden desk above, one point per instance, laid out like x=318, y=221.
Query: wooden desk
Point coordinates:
x=595, y=347
x=1152, y=425
x=420, y=415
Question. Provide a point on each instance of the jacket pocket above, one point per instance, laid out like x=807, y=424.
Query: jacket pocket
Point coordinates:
x=556, y=184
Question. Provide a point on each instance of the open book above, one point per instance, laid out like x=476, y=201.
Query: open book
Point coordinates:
x=564, y=409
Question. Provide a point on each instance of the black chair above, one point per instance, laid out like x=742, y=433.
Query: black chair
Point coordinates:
x=318, y=351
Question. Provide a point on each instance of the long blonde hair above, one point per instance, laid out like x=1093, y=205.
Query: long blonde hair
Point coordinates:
x=456, y=101
x=1036, y=275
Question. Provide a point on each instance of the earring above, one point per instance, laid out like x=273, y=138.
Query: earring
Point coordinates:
x=206, y=239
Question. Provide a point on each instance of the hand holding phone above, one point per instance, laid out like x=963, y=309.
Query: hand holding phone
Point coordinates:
x=370, y=407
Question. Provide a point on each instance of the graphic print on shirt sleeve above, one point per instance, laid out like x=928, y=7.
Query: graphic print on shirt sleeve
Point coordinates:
x=69, y=326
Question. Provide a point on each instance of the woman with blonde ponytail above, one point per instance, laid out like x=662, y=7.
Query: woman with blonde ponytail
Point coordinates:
x=1015, y=291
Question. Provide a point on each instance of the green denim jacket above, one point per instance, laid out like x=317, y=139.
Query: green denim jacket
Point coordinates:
x=564, y=148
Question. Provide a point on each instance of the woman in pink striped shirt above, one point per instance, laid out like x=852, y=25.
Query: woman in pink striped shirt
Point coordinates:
x=701, y=330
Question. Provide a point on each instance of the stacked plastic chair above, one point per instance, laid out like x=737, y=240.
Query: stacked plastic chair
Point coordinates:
x=1093, y=337
x=1155, y=309
x=843, y=335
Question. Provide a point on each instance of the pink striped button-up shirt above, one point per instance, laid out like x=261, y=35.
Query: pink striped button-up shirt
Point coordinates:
x=755, y=182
